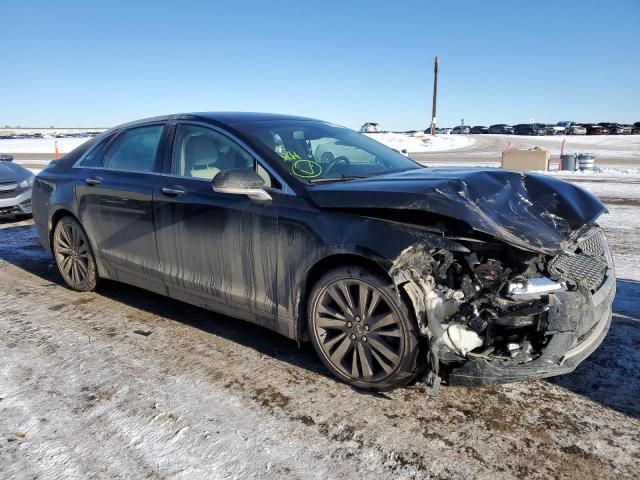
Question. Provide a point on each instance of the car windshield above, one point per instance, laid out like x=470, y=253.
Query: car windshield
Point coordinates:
x=315, y=151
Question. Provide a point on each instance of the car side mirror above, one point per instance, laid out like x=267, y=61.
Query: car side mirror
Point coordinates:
x=6, y=158
x=240, y=182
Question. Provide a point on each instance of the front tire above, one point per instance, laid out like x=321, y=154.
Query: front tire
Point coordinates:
x=74, y=256
x=362, y=331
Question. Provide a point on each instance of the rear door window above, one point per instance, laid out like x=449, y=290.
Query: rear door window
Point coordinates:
x=94, y=158
x=135, y=149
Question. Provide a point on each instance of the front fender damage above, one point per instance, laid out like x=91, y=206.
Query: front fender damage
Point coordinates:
x=492, y=313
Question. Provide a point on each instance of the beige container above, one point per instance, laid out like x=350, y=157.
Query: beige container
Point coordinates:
x=526, y=160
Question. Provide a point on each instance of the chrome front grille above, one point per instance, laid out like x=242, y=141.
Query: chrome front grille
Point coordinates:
x=594, y=243
x=587, y=265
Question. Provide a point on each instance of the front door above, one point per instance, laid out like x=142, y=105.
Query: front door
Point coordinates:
x=221, y=247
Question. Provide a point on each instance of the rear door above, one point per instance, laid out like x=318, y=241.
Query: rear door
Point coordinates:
x=218, y=246
x=115, y=202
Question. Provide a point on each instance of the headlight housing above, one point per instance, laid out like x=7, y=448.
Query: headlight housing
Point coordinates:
x=27, y=183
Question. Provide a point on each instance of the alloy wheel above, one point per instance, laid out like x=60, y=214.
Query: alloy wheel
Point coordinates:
x=358, y=330
x=72, y=253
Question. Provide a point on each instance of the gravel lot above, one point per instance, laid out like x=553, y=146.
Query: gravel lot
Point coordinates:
x=122, y=383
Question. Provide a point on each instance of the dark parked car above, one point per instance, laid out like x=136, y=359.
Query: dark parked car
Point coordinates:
x=478, y=129
x=595, y=129
x=635, y=128
x=394, y=271
x=501, y=128
x=529, y=129
x=616, y=128
x=15, y=188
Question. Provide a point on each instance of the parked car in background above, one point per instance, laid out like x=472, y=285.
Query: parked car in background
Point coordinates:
x=441, y=131
x=461, y=129
x=561, y=127
x=595, y=129
x=392, y=270
x=529, y=129
x=479, y=129
x=501, y=128
x=635, y=128
x=575, y=129
x=15, y=188
x=552, y=129
x=616, y=128
x=370, y=127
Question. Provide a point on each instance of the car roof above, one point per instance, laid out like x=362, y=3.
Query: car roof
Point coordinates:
x=228, y=118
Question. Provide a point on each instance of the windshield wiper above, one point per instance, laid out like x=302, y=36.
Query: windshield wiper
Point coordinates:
x=343, y=178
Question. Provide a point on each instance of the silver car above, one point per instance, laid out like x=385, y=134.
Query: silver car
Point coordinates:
x=15, y=188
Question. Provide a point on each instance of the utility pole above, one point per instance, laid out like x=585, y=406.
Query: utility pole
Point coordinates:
x=435, y=95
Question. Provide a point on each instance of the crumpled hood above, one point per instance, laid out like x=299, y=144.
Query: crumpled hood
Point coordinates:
x=11, y=172
x=531, y=211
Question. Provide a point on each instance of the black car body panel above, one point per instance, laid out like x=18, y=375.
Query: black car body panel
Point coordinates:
x=501, y=128
x=257, y=260
x=529, y=129
x=534, y=212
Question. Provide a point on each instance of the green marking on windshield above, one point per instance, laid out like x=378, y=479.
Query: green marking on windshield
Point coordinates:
x=290, y=156
x=306, y=169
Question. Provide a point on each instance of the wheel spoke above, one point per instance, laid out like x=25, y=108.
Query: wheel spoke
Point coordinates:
x=380, y=321
x=331, y=312
x=385, y=366
x=65, y=265
x=396, y=332
x=82, y=268
x=347, y=296
x=363, y=295
x=72, y=268
x=74, y=236
x=328, y=345
x=82, y=248
x=341, y=351
x=63, y=250
x=64, y=237
x=354, y=364
x=332, y=323
x=337, y=297
x=381, y=346
x=373, y=304
x=365, y=360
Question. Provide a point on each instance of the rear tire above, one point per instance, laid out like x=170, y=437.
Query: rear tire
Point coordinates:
x=363, y=333
x=74, y=256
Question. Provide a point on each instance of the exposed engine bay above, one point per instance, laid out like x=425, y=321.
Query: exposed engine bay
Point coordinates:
x=500, y=307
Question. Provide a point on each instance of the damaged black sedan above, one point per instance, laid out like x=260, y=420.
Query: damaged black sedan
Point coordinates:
x=393, y=271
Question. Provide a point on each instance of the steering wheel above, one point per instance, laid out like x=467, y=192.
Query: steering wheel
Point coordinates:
x=341, y=158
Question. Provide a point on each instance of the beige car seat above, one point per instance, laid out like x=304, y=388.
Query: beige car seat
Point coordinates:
x=201, y=151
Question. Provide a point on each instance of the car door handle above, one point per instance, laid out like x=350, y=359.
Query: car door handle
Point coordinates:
x=173, y=191
x=93, y=180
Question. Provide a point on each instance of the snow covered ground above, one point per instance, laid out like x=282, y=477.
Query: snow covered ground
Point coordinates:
x=40, y=145
x=426, y=143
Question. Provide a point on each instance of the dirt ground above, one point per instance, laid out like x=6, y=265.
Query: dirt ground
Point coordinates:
x=122, y=383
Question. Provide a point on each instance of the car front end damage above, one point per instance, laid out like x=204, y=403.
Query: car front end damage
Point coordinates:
x=500, y=314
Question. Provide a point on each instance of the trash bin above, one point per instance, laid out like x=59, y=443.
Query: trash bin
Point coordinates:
x=586, y=161
x=568, y=162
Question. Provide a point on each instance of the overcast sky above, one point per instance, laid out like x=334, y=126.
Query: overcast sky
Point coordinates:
x=100, y=63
